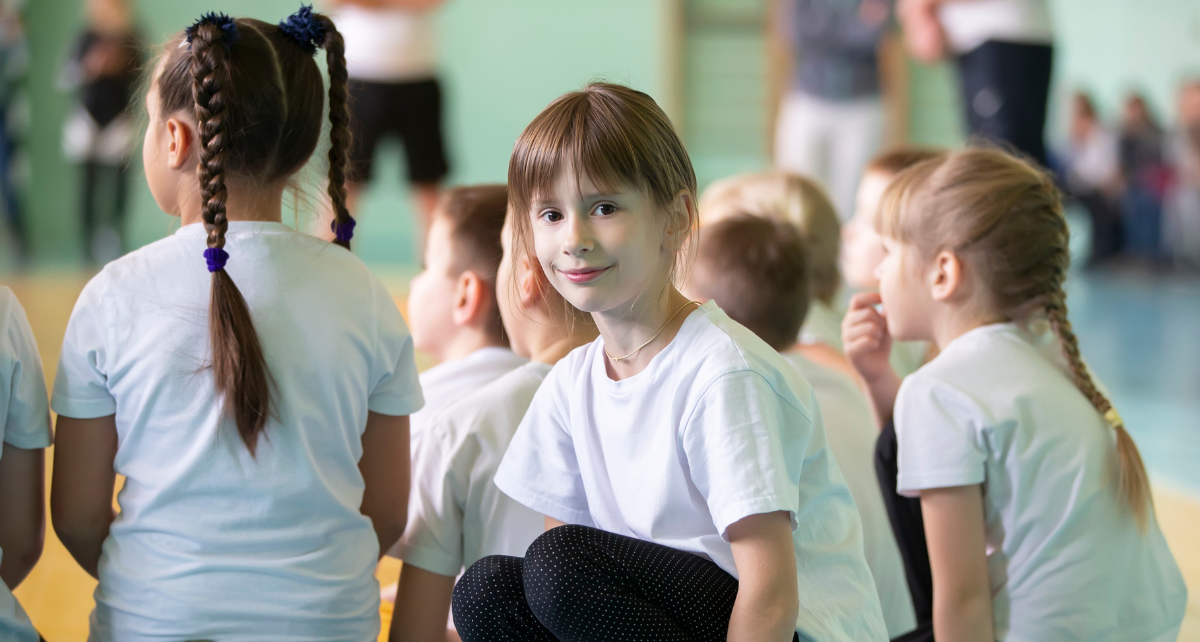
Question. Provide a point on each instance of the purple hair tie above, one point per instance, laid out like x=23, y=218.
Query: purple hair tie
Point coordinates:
x=227, y=25
x=343, y=231
x=304, y=28
x=216, y=258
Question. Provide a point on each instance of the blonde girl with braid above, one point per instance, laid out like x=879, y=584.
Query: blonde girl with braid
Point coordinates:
x=1037, y=509
x=250, y=382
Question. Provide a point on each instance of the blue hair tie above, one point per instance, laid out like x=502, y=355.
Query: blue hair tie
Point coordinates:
x=227, y=25
x=216, y=258
x=344, y=231
x=304, y=28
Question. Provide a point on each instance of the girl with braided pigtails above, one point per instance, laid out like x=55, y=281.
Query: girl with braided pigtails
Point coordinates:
x=259, y=410
x=1037, y=509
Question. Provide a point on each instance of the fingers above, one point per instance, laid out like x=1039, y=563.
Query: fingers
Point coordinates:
x=865, y=300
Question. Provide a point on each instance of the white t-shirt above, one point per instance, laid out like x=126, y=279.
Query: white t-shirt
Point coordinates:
x=718, y=427
x=447, y=383
x=212, y=543
x=387, y=45
x=970, y=23
x=822, y=324
x=852, y=434
x=24, y=423
x=456, y=515
x=1066, y=560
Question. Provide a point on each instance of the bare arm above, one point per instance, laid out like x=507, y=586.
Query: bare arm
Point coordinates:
x=385, y=469
x=768, y=599
x=81, y=491
x=893, y=78
x=23, y=505
x=962, y=602
x=553, y=523
x=422, y=606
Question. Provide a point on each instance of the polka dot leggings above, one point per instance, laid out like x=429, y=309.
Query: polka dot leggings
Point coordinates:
x=580, y=584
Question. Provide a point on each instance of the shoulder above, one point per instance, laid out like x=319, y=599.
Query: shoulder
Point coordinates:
x=499, y=405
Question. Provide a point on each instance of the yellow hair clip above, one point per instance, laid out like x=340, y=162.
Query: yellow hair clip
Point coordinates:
x=1114, y=418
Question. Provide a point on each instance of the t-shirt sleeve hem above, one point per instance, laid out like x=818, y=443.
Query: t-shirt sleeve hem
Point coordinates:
x=395, y=405
x=544, y=505
x=83, y=408
x=723, y=519
x=911, y=485
x=427, y=559
x=35, y=441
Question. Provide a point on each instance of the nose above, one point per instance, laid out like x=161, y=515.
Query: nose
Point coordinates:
x=577, y=240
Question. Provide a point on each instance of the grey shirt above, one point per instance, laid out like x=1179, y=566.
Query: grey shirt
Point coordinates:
x=834, y=50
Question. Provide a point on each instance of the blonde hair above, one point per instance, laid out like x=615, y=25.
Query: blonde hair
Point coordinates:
x=1004, y=217
x=614, y=135
x=789, y=198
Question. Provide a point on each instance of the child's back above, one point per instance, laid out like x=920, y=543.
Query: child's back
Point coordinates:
x=1065, y=558
x=210, y=538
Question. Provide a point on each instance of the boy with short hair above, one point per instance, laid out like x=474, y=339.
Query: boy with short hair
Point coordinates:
x=756, y=270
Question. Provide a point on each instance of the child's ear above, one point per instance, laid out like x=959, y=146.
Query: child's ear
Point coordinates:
x=179, y=139
x=947, y=277
x=470, y=298
x=684, y=216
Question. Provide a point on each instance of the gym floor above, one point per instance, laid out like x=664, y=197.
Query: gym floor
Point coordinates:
x=1138, y=331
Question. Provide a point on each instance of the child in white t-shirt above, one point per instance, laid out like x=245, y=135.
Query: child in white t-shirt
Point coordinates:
x=260, y=415
x=756, y=269
x=452, y=307
x=687, y=456
x=456, y=513
x=24, y=435
x=1036, y=506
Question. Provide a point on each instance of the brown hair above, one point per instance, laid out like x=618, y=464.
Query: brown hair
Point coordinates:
x=898, y=159
x=257, y=100
x=756, y=269
x=785, y=197
x=475, y=214
x=614, y=135
x=1004, y=217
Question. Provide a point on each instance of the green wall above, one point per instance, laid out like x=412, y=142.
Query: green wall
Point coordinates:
x=501, y=62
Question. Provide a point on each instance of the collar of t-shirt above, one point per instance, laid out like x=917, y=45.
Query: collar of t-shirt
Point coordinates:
x=236, y=228
x=661, y=364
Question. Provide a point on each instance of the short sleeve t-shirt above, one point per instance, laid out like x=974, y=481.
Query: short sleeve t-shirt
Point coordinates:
x=851, y=432
x=970, y=24
x=456, y=515
x=717, y=427
x=387, y=45
x=448, y=382
x=212, y=543
x=1066, y=559
x=24, y=424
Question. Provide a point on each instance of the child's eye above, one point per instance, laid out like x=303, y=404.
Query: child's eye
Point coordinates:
x=605, y=209
x=551, y=216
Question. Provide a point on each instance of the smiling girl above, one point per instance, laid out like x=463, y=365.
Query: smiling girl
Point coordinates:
x=681, y=464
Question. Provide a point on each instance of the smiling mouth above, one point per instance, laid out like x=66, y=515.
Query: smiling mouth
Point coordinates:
x=585, y=275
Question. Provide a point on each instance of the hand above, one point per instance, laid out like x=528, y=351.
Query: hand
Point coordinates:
x=923, y=34
x=865, y=337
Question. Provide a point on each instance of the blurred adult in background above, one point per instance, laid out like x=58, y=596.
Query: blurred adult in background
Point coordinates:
x=831, y=121
x=1091, y=164
x=14, y=62
x=391, y=58
x=1182, y=209
x=1004, y=52
x=1146, y=175
x=100, y=133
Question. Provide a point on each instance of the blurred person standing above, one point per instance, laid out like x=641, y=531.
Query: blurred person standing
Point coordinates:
x=1146, y=175
x=391, y=57
x=14, y=62
x=1093, y=177
x=1181, y=224
x=100, y=133
x=831, y=121
x=1004, y=50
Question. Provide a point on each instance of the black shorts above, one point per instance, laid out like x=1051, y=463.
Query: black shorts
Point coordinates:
x=411, y=110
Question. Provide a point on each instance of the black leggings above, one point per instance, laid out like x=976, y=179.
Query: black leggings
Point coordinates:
x=908, y=524
x=579, y=584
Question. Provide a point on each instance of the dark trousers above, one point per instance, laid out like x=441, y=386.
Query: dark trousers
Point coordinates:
x=909, y=527
x=580, y=584
x=105, y=187
x=1005, y=86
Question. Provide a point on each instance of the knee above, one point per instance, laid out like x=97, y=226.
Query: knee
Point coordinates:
x=486, y=589
x=556, y=567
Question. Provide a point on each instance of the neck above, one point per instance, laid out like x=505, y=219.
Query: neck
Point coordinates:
x=550, y=347
x=627, y=329
x=957, y=322
x=242, y=203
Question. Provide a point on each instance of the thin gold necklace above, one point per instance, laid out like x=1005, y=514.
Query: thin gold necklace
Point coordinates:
x=664, y=327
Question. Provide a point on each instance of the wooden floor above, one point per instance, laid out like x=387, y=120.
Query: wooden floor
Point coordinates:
x=58, y=594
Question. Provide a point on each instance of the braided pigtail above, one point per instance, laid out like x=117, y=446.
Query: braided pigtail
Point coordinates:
x=339, y=130
x=1133, y=484
x=239, y=367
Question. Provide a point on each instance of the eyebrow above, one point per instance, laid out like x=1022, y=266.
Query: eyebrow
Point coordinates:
x=597, y=196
